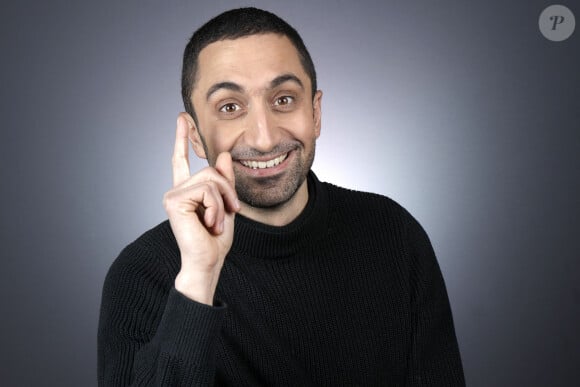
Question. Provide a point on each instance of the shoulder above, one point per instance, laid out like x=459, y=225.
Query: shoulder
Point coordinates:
x=153, y=256
x=375, y=216
x=366, y=207
x=137, y=285
x=381, y=233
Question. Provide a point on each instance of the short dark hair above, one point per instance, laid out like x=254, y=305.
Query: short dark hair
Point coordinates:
x=234, y=24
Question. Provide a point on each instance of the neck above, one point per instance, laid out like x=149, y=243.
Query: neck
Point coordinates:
x=282, y=214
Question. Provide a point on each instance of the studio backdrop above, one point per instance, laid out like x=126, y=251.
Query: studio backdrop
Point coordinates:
x=466, y=113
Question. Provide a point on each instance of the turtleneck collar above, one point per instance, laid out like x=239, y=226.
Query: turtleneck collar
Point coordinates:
x=260, y=240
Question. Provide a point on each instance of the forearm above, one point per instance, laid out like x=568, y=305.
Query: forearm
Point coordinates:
x=180, y=353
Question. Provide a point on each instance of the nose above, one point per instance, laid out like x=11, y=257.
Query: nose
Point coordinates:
x=261, y=133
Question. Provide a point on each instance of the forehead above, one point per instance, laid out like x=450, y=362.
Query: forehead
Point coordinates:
x=251, y=61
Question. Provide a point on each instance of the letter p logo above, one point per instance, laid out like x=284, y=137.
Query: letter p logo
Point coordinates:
x=557, y=23
x=557, y=20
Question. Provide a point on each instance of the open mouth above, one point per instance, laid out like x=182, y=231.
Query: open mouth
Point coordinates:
x=264, y=164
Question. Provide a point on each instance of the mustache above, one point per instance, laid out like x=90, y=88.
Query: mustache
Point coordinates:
x=242, y=153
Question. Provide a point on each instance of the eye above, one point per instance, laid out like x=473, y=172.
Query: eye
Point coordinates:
x=284, y=100
x=230, y=108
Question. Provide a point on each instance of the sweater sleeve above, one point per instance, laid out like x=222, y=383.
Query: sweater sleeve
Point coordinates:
x=434, y=358
x=149, y=333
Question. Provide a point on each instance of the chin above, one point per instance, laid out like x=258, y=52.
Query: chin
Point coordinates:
x=270, y=193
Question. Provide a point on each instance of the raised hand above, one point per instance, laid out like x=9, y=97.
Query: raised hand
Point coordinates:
x=201, y=211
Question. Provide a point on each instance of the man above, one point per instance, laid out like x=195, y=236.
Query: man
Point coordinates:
x=263, y=275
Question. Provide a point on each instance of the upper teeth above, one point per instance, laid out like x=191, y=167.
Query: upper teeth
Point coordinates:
x=264, y=164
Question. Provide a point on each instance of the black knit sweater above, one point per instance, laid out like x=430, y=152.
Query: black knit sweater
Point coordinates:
x=350, y=293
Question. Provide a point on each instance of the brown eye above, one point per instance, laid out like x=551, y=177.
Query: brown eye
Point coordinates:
x=283, y=101
x=230, y=108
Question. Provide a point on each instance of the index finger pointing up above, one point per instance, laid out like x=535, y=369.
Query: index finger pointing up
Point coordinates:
x=180, y=161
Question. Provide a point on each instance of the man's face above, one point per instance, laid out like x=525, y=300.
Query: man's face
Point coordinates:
x=253, y=99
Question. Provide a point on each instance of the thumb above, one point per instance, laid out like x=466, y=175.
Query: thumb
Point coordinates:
x=225, y=167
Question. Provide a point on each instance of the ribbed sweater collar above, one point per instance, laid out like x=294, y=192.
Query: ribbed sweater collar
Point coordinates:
x=260, y=240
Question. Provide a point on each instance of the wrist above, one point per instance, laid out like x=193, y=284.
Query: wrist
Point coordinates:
x=199, y=287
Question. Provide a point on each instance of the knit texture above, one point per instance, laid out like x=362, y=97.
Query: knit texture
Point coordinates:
x=349, y=293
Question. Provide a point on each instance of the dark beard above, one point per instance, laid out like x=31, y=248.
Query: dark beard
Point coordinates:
x=270, y=192
x=274, y=191
x=264, y=194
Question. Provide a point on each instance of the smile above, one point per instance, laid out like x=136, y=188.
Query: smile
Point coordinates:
x=264, y=164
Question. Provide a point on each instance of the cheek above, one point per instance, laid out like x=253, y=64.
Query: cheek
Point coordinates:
x=303, y=127
x=299, y=121
x=222, y=138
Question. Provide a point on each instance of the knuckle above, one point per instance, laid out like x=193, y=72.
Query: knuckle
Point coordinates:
x=168, y=201
x=208, y=186
x=212, y=184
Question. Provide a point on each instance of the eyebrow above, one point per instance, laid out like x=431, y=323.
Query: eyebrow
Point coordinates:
x=285, y=78
x=237, y=88
x=223, y=85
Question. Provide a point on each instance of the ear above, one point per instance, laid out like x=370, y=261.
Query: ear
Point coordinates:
x=194, y=136
x=317, y=108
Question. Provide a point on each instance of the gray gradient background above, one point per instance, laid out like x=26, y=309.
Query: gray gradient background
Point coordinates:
x=461, y=111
